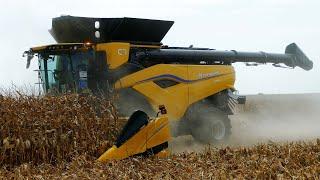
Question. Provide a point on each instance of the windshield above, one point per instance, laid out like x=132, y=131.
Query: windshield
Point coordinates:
x=64, y=72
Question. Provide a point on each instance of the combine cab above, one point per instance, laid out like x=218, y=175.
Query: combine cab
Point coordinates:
x=193, y=86
x=78, y=61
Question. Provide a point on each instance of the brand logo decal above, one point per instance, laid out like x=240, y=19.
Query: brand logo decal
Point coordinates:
x=208, y=75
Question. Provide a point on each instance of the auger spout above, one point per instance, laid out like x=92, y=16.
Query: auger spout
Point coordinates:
x=293, y=56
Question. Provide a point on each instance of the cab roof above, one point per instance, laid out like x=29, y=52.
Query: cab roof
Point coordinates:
x=60, y=47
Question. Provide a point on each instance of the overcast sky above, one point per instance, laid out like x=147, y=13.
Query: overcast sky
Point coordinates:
x=248, y=25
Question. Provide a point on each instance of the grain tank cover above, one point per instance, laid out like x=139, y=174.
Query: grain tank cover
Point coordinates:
x=70, y=29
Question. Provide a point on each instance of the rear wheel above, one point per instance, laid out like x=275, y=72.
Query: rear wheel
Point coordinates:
x=211, y=126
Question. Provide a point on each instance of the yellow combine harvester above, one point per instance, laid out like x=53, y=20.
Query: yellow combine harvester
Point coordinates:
x=194, y=87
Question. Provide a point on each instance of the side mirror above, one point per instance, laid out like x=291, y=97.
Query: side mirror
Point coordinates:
x=30, y=56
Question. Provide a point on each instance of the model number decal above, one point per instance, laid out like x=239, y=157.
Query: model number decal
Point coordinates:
x=122, y=52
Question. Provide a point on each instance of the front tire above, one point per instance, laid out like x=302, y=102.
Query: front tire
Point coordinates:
x=210, y=126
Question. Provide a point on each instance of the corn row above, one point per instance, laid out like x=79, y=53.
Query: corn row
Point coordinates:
x=52, y=129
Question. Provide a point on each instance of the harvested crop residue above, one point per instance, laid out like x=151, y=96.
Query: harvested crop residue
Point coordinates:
x=267, y=161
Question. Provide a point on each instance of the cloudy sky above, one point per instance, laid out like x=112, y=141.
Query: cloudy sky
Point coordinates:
x=247, y=25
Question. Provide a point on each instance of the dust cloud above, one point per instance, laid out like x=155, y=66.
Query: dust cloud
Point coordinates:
x=265, y=119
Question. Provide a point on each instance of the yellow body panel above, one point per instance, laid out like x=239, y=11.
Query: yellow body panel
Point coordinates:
x=117, y=53
x=196, y=82
x=220, y=77
x=156, y=132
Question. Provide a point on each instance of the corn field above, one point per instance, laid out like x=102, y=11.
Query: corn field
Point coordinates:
x=54, y=129
x=61, y=137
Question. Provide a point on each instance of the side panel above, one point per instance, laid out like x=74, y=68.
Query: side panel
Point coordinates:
x=214, y=79
x=117, y=53
x=194, y=82
x=175, y=98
